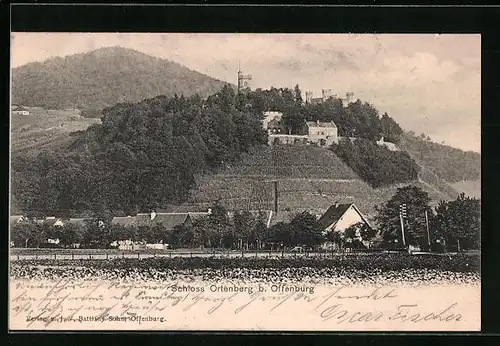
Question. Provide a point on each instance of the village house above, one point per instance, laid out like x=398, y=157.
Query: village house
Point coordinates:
x=168, y=220
x=322, y=133
x=340, y=217
x=318, y=133
x=271, y=120
x=19, y=110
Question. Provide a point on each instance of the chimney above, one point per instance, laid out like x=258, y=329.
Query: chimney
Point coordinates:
x=275, y=196
x=153, y=214
x=336, y=204
x=317, y=122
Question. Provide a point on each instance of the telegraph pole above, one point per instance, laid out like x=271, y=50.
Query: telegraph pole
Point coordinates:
x=402, y=215
x=275, y=196
x=428, y=233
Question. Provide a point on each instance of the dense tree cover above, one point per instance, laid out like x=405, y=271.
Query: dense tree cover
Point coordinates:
x=458, y=223
x=357, y=120
x=376, y=164
x=450, y=164
x=389, y=222
x=303, y=230
x=453, y=224
x=142, y=156
x=104, y=77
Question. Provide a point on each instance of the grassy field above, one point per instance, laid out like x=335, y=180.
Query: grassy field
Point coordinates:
x=469, y=187
x=45, y=129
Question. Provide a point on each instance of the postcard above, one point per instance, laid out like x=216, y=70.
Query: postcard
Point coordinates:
x=245, y=182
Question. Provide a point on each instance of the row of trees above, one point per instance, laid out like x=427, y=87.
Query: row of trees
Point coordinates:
x=218, y=230
x=452, y=224
x=376, y=164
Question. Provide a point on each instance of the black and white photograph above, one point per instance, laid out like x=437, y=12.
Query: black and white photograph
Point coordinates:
x=245, y=182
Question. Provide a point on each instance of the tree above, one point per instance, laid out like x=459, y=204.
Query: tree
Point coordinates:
x=298, y=95
x=259, y=230
x=280, y=233
x=97, y=233
x=243, y=226
x=336, y=238
x=458, y=222
x=417, y=203
x=70, y=234
x=358, y=233
x=293, y=120
x=219, y=226
x=27, y=234
x=306, y=230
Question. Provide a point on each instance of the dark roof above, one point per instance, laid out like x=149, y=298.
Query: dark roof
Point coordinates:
x=77, y=221
x=321, y=124
x=19, y=108
x=49, y=221
x=168, y=220
x=280, y=216
x=333, y=214
x=198, y=215
x=274, y=122
x=126, y=221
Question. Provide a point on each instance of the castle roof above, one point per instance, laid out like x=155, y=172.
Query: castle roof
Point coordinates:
x=321, y=124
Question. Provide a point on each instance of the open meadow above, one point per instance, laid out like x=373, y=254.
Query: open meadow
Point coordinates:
x=45, y=129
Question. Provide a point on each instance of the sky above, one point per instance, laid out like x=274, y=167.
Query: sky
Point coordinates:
x=429, y=83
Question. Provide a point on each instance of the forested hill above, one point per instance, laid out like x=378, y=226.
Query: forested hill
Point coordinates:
x=104, y=77
x=448, y=163
x=148, y=154
x=143, y=155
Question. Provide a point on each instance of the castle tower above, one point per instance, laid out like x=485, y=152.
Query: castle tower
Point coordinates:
x=326, y=94
x=309, y=96
x=349, y=97
x=243, y=81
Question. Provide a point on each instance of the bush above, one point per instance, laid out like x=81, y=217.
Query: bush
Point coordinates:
x=375, y=164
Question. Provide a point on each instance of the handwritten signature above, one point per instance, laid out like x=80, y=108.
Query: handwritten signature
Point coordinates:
x=66, y=301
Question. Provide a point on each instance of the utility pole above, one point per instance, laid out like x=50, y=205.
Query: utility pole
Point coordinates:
x=402, y=215
x=275, y=196
x=428, y=233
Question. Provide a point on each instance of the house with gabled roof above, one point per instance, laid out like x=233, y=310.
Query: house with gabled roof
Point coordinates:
x=168, y=220
x=19, y=110
x=322, y=133
x=339, y=217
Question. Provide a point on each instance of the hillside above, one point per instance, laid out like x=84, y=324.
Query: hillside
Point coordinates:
x=309, y=178
x=103, y=78
x=449, y=164
x=470, y=187
x=45, y=130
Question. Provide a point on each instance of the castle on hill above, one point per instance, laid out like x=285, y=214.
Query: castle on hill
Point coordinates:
x=327, y=94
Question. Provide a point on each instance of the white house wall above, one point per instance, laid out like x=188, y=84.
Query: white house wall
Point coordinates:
x=330, y=134
x=350, y=217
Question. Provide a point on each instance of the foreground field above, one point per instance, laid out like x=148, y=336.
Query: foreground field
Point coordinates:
x=224, y=294
x=357, y=266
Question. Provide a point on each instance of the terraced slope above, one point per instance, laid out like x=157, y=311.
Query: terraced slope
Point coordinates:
x=309, y=178
x=45, y=129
